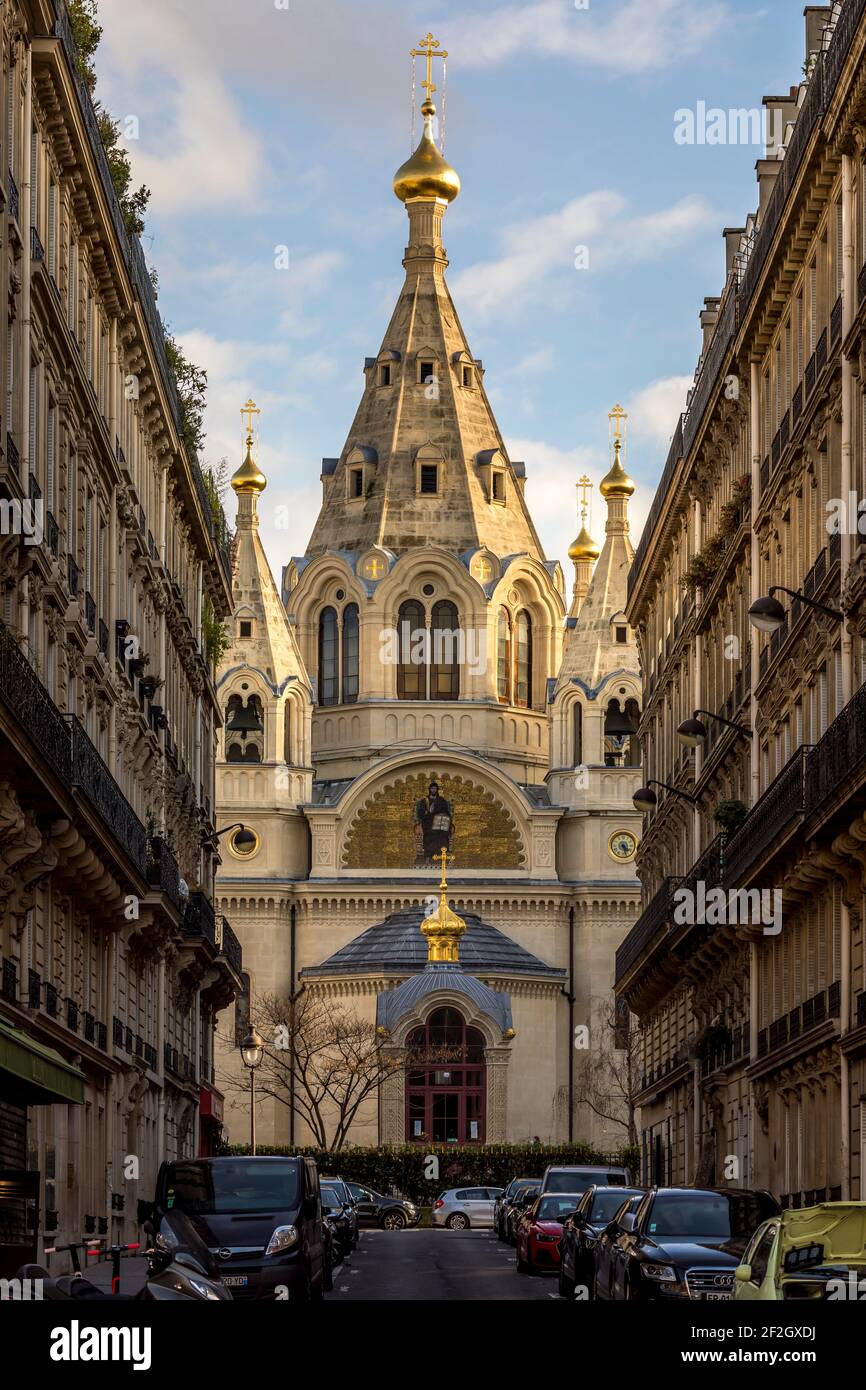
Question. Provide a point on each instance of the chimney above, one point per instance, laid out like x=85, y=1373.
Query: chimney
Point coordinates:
x=816, y=17
x=709, y=314
x=733, y=237
x=778, y=111
x=768, y=172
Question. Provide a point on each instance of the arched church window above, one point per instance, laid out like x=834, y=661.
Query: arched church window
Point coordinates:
x=411, y=642
x=445, y=666
x=578, y=734
x=523, y=660
x=633, y=755
x=235, y=753
x=329, y=686
x=620, y=727
x=252, y=753
x=287, y=732
x=503, y=657
x=445, y=1081
x=351, y=654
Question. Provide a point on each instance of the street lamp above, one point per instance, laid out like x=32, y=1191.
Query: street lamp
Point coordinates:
x=768, y=615
x=692, y=732
x=646, y=800
x=252, y=1050
x=245, y=835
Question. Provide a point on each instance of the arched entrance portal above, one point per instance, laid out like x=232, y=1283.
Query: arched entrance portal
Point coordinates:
x=446, y=1081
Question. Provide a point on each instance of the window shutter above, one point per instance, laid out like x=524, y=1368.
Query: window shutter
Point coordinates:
x=837, y=250
x=10, y=377
x=837, y=669
x=822, y=700
x=89, y=337
x=52, y=231
x=50, y=446
x=836, y=948
x=10, y=119
x=34, y=415
x=88, y=543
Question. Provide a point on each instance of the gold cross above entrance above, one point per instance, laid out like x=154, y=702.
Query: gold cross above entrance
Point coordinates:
x=250, y=409
x=429, y=49
x=374, y=567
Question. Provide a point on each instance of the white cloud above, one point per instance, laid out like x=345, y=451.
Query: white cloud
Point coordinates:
x=640, y=36
x=655, y=410
x=540, y=247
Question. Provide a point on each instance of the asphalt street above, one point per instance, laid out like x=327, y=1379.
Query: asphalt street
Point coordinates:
x=440, y=1266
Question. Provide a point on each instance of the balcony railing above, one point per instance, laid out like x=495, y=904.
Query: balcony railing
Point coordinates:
x=90, y=612
x=103, y=637
x=648, y=925
x=163, y=872
x=12, y=456
x=839, y=753
x=784, y=799
x=228, y=944
x=26, y=698
x=37, y=250
x=199, y=919
x=72, y=574
x=92, y=777
x=52, y=531
x=14, y=199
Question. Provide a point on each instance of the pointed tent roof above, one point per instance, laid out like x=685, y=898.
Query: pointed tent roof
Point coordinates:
x=449, y=421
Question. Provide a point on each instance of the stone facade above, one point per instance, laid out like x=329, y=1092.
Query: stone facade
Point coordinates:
x=754, y=1031
x=112, y=957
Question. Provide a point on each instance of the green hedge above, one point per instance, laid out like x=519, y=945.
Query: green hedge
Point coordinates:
x=401, y=1170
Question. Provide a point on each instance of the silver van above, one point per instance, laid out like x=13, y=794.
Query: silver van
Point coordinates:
x=580, y=1177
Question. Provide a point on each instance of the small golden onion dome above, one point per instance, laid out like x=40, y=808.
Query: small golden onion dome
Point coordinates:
x=584, y=548
x=509, y=1034
x=249, y=477
x=617, y=483
x=427, y=174
x=444, y=929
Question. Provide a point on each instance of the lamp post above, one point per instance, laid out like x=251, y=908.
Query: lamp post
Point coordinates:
x=252, y=1049
x=768, y=615
x=692, y=732
x=646, y=800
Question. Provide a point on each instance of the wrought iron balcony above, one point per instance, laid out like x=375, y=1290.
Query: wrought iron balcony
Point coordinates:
x=52, y=531
x=839, y=753
x=9, y=986
x=72, y=574
x=648, y=925
x=13, y=458
x=27, y=699
x=103, y=637
x=90, y=612
x=37, y=250
x=163, y=872
x=228, y=943
x=34, y=989
x=782, y=802
x=199, y=919
x=92, y=777
x=14, y=198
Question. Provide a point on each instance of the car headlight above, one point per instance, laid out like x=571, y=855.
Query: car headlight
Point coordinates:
x=203, y=1291
x=663, y=1274
x=284, y=1238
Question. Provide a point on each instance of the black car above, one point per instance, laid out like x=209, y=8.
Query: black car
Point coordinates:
x=260, y=1217
x=337, y=1197
x=520, y=1202
x=595, y=1210
x=389, y=1213
x=680, y=1242
x=500, y=1206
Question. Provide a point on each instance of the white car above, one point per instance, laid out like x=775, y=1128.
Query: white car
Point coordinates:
x=463, y=1207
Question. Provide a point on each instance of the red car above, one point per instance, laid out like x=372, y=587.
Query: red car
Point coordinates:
x=539, y=1231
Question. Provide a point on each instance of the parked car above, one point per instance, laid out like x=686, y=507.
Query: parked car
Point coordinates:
x=814, y=1253
x=260, y=1217
x=681, y=1242
x=462, y=1207
x=515, y=1207
x=539, y=1231
x=501, y=1204
x=582, y=1176
x=389, y=1213
x=341, y=1219
x=596, y=1208
x=332, y=1254
x=336, y=1194
x=602, y=1252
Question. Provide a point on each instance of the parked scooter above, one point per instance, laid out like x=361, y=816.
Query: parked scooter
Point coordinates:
x=179, y=1267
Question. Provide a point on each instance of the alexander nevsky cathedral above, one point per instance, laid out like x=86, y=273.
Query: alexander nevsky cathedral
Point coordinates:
x=426, y=698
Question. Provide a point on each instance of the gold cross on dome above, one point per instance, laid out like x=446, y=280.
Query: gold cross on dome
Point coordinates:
x=444, y=856
x=374, y=567
x=429, y=49
x=250, y=409
x=484, y=570
x=618, y=415
x=584, y=488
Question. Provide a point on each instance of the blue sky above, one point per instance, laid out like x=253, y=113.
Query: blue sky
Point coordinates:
x=269, y=123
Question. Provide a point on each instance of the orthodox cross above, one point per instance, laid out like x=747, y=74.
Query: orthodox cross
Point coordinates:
x=584, y=488
x=250, y=409
x=485, y=570
x=444, y=856
x=429, y=49
x=375, y=567
x=618, y=415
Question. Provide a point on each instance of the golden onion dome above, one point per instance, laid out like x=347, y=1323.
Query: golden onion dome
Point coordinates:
x=443, y=929
x=427, y=174
x=584, y=548
x=617, y=483
x=249, y=477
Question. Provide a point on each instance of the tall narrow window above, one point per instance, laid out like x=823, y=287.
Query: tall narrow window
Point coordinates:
x=351, y=654
x=51, y=458
x=52, y=230
x=577, y=735
x=329, y=687
x=523, y=660
x=411, y=639
x=445, y=664
x=503, y=657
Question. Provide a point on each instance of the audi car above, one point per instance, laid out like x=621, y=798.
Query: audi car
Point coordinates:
x=539, y=1232
x=680, y=1243
x=580, y=1232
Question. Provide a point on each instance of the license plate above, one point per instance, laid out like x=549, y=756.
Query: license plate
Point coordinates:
x=717, y=1297
x=236, y=1281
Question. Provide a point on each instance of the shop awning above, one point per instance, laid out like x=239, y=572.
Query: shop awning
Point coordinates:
x=40, y=1072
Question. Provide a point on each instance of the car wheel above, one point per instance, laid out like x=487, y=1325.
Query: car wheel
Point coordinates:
x=566, y=1286
x=522, y=1266
x=393, y=1221
x=457, y=1222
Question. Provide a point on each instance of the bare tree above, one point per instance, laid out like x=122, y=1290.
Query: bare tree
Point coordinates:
x=336, y=1058
x=608, y=1073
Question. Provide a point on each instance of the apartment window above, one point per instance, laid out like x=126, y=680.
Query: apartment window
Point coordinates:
x=429, y=479
x=837, y=251
x=35, y=219
x=34, y=418
x=812, y=284
x=89, y=337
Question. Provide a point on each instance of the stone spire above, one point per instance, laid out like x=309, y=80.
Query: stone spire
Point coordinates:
x=424, y=459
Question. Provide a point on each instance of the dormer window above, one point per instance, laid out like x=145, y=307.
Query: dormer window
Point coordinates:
x=621, y=635
x=429, y=479
x=245, y=628
x=468, y=378
x=498, y=486
x=385, y=374
x=426, y=372
x=356, y=482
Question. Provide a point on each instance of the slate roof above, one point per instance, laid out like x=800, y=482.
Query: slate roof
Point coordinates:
x=397, y=945
x=394, y=1004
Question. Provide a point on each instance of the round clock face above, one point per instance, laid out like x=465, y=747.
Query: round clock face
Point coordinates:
x=622, y=845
